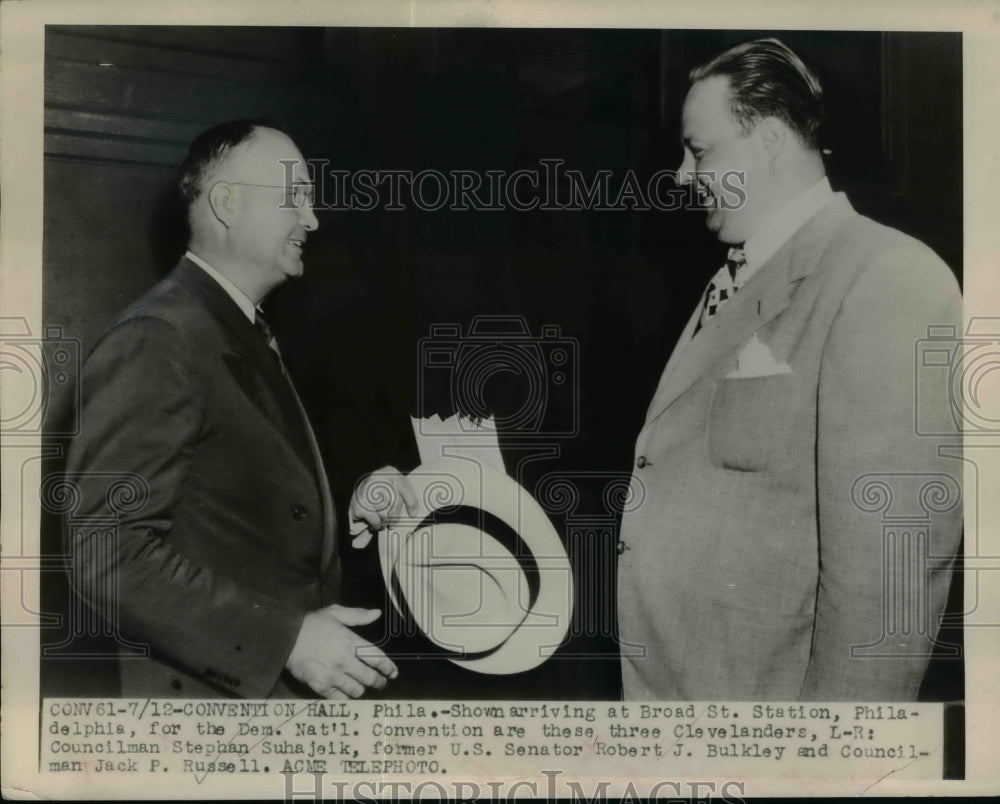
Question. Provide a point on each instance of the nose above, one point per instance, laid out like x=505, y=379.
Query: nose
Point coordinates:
x=685, y=173
x=307, y=218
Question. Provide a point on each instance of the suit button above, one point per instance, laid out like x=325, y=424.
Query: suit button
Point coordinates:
x=641, y=461
x=299, y=512
x=621, y=547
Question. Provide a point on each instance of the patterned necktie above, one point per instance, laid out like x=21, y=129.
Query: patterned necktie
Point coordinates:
x=727, y=280
x=265, y=332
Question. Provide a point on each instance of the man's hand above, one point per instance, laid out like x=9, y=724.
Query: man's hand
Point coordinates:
x=333, y=660
x=379, y=498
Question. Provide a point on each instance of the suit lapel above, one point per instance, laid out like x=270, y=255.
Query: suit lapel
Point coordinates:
x=253, y=367
x=765, y=295
x=762, y=298
x=249, y=360
x=242, y=339
x=683, y=342
x=329, y=515
x=250, y=380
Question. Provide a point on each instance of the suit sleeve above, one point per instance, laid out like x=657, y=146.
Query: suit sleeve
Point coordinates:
x=142, y=418
x=874, y=633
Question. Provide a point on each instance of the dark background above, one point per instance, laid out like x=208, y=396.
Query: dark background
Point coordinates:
x=122, y=103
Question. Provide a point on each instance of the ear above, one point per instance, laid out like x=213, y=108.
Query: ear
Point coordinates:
x=773, y=133
x=222, y=201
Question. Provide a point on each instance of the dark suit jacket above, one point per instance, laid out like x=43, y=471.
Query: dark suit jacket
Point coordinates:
x=204, y=527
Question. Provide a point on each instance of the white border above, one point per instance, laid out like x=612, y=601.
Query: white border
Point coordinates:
x=21, y=94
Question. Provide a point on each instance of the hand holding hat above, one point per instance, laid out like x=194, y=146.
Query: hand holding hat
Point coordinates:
x=379, y=499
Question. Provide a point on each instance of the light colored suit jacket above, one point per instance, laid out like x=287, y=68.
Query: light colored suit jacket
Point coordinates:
x=759, y=557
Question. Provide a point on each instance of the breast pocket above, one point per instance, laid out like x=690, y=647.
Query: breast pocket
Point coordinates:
x=754, y=422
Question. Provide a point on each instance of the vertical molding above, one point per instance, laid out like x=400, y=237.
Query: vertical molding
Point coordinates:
x=886, y=86
x=896, y=90
x=665, y=72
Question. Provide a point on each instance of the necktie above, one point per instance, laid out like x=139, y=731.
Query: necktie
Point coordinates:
x=727, y=280
x=265, y=332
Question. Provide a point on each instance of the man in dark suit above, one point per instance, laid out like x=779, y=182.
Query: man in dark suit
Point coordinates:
x=756, y=566
x=222, y=559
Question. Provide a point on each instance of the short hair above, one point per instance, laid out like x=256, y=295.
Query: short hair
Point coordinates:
x=767, y=79
x=209, y=149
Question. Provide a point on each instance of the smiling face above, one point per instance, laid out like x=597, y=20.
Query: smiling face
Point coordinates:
x=730, y=168
x=267, y=230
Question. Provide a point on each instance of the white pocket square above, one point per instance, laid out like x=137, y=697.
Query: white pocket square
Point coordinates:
x=756, y=360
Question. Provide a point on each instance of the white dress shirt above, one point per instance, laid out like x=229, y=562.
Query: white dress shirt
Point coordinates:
x=771, y=236
x=780, y=226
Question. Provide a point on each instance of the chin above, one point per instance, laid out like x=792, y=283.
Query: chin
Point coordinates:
x=718, y=228
x=728, y=233
x=293, y=270
x=729, y=239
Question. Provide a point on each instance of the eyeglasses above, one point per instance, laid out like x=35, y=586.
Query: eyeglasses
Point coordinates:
x=302, y=194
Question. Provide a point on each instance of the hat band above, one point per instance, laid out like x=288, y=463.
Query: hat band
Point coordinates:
x=509, y=538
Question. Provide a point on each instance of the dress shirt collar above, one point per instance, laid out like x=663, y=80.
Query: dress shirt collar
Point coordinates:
x=779, y=228
x=242, y=300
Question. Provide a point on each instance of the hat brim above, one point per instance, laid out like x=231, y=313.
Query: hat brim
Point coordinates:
x=460, y=480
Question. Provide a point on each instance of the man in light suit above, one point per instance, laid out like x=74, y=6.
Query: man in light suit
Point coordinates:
x=220, y=556
x=752, y=569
